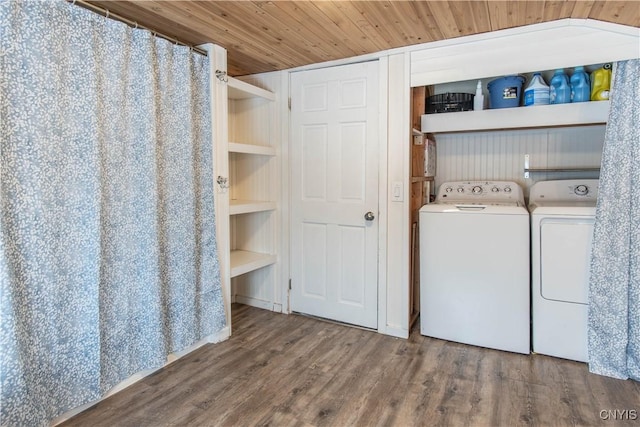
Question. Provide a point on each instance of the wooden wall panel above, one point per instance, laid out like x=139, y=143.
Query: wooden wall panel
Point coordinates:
x=581, y=9
x=349, y=23
x=414, y=26
x=622, y=12
x=333, y=40
x=429, y=21
x=446, y=21
x=374, y=14
x=557, y=10
x=263, y=36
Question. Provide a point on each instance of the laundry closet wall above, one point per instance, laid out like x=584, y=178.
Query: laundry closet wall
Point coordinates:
x=108, y=256
x=499, y=155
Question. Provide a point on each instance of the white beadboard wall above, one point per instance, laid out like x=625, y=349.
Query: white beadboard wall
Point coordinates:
x=499, y=155
x=254, y=111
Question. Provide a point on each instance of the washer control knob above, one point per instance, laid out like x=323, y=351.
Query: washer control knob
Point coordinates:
x=476, y=190
x=448, y=190
x=460, y=189
x=495, y=189
x=507, y=189
x=581, y=190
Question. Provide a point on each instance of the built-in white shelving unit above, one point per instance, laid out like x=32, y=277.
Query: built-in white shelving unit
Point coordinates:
x=251, y=203
x=236, y=147
x=543, y=134
x=583, y=113
x=243, y=262
x=243, y=90
x=248, y=197
x=237, y=207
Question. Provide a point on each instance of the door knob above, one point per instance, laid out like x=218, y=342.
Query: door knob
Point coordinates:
x=369, y=216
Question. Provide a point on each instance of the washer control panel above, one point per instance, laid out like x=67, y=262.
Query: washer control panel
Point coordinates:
x=581, y=190
x=565, y=190
x=480, y=192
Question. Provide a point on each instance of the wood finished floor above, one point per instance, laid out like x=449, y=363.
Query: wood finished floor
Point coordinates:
x=281, y=370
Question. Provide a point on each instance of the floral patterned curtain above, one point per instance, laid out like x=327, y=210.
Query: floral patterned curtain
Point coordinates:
x=108, y=257
x=614, y=298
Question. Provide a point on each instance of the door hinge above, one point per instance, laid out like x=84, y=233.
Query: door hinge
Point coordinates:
x=289, y=284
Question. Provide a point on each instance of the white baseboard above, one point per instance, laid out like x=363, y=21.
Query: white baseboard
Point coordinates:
x=253, y=302
x=394, y=332
x=216, y=337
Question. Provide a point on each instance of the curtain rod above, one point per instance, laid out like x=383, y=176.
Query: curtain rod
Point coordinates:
x=107, y=14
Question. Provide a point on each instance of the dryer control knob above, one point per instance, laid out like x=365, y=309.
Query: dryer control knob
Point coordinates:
x=448, y=189
x=460, y=189
x=476, y=190
x=507, y=189
x=581, y=190
x=495, y=189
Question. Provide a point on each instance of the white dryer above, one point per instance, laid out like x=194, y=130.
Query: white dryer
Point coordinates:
x=562, y=217
x=474, y=272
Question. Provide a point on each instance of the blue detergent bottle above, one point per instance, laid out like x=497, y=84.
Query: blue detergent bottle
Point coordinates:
x=559, y=89
x=580, y=85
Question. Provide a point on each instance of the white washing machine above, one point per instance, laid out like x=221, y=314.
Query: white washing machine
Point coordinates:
x=562, y=217
x=474, y=272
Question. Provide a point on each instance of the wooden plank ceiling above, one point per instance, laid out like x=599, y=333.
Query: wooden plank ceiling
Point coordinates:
x=263, y=36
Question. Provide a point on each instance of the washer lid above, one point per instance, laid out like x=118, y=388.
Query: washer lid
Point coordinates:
x=475, y=209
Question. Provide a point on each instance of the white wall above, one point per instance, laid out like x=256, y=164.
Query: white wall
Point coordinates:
x=395, y=295
x=563, y=43
x=499, y=156
x=557, y=44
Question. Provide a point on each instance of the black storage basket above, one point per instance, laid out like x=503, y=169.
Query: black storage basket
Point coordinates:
x=448, y=102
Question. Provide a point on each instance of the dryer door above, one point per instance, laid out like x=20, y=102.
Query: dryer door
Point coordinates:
x=565, y=257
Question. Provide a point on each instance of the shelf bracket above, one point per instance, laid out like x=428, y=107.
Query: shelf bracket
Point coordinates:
x=526, y=166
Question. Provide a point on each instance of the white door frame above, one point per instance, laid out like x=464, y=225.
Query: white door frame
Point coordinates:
x=383, y=144
x=382, y=217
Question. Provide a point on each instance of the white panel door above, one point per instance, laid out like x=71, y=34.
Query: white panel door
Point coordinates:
x=334, y=184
